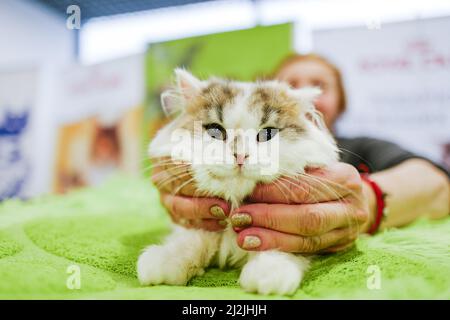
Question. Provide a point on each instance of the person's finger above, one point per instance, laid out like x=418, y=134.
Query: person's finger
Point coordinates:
x=259, y=239
x=195, y=208
x=315, y=185
x=340, y=173
x=301, y=219
x=343, y=244
x=342, y=177
x=339, y=248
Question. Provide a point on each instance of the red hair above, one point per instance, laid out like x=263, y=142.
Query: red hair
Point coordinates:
x=295, y=58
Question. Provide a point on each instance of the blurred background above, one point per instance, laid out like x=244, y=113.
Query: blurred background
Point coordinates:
x=80, y=80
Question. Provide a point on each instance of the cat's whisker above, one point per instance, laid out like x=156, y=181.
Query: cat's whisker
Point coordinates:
x=333, y=192
x=278, y=187
x=339, y=198
x=159, y=160
x=174, y=171
x=317, y=190
x=284, y=181
x=299, y=185
x=170, y=179
x=353, y=153
x=347, y=213
x=167, y=163
x=159, y=163
x=337, y=185
x=162, y=173
x=151, y=159
x=171, y=165
x=183, y=185
x=293, y=176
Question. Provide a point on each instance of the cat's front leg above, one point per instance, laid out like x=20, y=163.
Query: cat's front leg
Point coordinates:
x=183, y=255
x=273, y=272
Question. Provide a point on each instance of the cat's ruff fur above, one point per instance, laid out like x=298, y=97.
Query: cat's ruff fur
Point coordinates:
x=238, y=105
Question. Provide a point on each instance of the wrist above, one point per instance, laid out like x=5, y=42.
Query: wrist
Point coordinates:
x=380, y=204
x=371, y=203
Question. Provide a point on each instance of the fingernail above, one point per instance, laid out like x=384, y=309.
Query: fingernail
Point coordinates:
x=251, y=242
x=223, y=223
x=217, y=212
x=241, y=220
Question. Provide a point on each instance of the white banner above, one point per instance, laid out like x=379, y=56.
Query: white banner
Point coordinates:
x=397, y=79
x=17, y=103
x=104, y=90
x=99, y=119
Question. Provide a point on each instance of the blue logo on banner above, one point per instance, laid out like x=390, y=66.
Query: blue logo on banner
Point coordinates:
x=14, y=168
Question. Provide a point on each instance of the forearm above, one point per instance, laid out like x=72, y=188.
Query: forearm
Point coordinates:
x=415, y=188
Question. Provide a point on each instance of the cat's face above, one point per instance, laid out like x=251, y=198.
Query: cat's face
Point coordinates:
x=240, y=134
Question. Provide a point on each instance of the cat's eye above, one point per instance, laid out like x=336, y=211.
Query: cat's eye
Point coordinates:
x=266, y=134
x=216, y=131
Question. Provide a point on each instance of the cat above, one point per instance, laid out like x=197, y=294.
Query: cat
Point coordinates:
x=215, y=113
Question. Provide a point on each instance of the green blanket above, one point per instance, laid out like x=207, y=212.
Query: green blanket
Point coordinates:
x=91, y=239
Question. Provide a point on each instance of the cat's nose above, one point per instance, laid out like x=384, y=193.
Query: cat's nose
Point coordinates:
x=240, y=158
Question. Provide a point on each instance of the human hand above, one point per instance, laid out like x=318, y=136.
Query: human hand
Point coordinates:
x=184, y=203
x=323, y=210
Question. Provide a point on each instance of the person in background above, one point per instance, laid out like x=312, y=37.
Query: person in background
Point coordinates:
x=376, y=185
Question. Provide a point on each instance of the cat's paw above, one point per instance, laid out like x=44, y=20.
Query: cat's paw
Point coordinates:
x=273, y=273
x=157, y=265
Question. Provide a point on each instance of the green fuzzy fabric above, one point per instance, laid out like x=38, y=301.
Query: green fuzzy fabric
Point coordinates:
x=103, y=230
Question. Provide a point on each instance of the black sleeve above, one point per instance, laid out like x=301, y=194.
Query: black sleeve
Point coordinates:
x=369, y=154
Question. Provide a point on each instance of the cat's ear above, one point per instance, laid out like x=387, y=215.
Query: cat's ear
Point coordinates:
x=307, y=97
x=187, y=86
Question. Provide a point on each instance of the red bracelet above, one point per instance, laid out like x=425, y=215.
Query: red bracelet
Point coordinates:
x=380, y=202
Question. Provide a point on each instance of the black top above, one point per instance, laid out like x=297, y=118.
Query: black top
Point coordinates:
x=372, y=155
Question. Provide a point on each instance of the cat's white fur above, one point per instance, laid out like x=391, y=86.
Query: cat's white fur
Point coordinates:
x=187, y=252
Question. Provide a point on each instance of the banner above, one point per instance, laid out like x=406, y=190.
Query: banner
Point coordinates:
x=398, y=82
x=17, y=106
x=100, y=122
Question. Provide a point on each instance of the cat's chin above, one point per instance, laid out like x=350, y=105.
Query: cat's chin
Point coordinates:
x=233, y=188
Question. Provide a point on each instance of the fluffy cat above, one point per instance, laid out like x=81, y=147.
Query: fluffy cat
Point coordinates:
x=237, y=121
